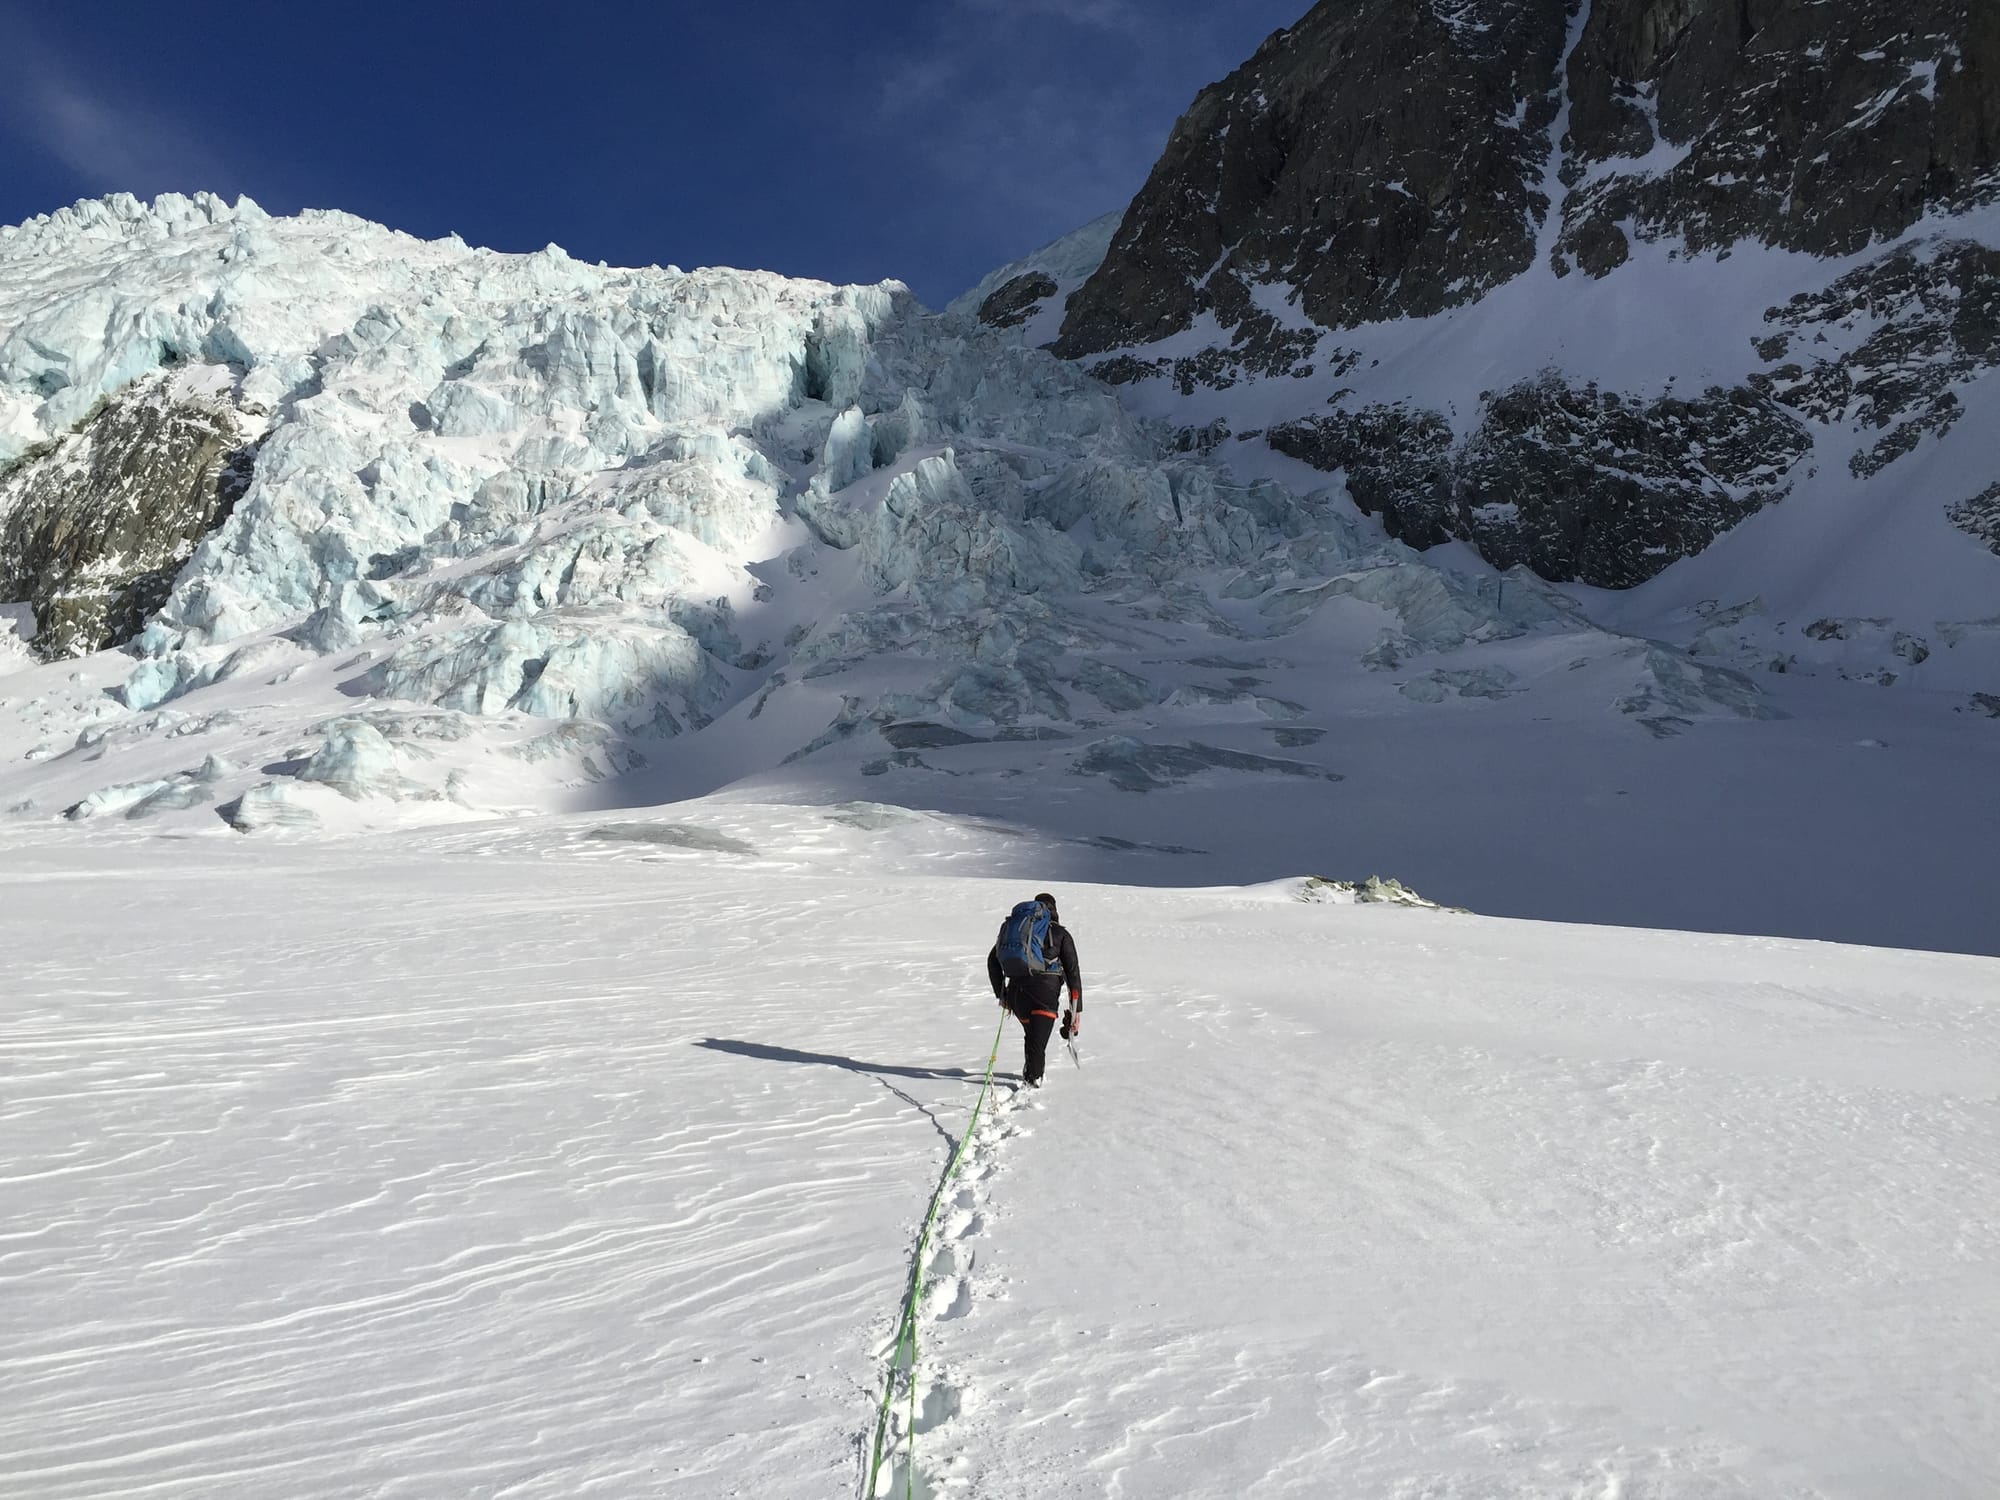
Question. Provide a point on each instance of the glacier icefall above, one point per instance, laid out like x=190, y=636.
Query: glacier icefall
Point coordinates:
x=518, y=485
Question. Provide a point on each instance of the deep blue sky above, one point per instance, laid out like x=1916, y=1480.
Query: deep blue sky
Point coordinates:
x=929, y=142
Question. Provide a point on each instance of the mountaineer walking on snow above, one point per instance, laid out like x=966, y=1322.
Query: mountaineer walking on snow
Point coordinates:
x=1029, y=966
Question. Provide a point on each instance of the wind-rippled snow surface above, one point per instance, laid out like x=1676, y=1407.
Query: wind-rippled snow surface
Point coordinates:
x=583, y=1157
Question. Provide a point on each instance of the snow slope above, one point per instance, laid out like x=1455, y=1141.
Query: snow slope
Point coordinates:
x=582, y=1156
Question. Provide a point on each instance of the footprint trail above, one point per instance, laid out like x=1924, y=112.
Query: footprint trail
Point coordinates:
x=953, y=1285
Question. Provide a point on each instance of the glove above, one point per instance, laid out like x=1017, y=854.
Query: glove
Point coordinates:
x=1072, y=1024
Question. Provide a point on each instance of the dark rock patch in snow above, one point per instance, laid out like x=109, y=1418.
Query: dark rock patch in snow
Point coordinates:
x=1132, y=765
x=1288, y=738
x=94, y=528
x=1011, y=305
x=902, y=760
x=1933, y=315
x=1373, y=891
x=1019, y=732
x=671, y=835
x=1576, y=483
x=1980, y=516
x=1477, y=682
x=1389, y=158
x=922, y=735
x=1813, y=127
x=1412, y=136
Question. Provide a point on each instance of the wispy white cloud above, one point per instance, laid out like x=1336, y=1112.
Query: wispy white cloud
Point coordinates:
x=1104, y=15
x=111, y=140
x=1034, y=116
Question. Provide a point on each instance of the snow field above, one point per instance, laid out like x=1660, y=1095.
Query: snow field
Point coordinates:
x=510, y=1160
x=342, y=1190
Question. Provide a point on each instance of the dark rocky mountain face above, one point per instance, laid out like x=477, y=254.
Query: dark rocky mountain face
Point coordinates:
x=1585, y=485
x=1576, y=483
x=1389, y=158
x=94, y=528
x=1980, y=516
x=1393, y=159
x=1804, y=125
x=1009, y=306
x=1386, y=157
x=1936, y=322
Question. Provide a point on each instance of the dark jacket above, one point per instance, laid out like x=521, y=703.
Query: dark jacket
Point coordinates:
x=1071, y=970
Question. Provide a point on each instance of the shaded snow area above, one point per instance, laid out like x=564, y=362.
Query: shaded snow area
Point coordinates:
x=1882, y=356
x=17, y=628
x=522, y=535
x=585, y=1156
x=1863, y=528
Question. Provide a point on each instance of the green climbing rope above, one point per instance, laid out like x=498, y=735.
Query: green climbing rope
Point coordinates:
x=906, y=1333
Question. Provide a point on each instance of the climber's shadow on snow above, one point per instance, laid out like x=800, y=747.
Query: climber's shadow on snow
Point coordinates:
x=768, y=1053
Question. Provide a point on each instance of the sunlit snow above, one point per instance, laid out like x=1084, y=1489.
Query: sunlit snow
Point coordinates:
x=585, y=1156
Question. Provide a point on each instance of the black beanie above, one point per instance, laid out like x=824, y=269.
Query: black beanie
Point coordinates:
x=1047, y=900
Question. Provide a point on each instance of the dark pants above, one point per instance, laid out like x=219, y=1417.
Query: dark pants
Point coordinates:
x=1035, y=1002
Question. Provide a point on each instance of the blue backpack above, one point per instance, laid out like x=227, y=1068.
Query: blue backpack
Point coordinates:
x=1024, y=942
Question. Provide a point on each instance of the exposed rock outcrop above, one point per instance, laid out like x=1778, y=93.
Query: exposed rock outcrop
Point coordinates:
x=1980, y=516
x=1392, y=158
x=1385, y=158
x=1054, y=271
x=1573, y=482
x=1931, y=321
x=1010, y=305
x=1791, y=123
x=94, y=527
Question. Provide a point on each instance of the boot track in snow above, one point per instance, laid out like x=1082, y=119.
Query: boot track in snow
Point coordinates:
x=941, y=1289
